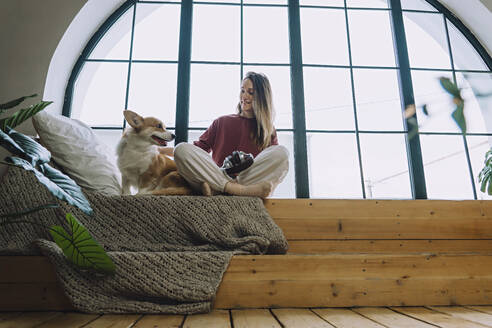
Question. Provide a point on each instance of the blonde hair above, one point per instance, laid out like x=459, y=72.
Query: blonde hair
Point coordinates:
x=262, y=108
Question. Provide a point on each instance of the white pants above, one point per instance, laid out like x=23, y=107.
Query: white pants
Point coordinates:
x=197, y=166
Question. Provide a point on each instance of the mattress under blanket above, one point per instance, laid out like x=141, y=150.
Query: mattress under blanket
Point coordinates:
x=170, y=252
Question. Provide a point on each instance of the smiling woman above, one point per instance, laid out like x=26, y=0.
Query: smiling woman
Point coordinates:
x=340, y=86
x=249, y=131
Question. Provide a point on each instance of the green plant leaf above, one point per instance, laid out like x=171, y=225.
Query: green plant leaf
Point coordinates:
x=8, y=143
x=424, y=110
x=483, y=183
x=15, y=102
x=412, y=127
x=22, y=115
x=450, y=87
x=80, y=248
x=24, y=147
x=485, y=175
x=59, y=184
x=28, y=211
x=459, y=117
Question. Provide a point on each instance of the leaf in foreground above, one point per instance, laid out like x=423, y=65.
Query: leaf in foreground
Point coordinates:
x=22, y=115
x=15, y=102
x=485, y=176
x=459, y=117
x=450, y=87
x=24, y=147
x=80, y=248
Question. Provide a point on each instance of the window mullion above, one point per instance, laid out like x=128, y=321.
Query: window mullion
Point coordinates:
x=184, y=63
x=414, y=152
x=130, y=59
x=465, y=143
x=298, y=109
x=354, y=102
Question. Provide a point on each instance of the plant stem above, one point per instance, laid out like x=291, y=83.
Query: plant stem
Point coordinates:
x=23, y=221
x=19, y=214
x=7, y=163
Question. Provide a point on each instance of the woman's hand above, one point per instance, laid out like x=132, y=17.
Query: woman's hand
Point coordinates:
x=237, y=162
x=169, y=151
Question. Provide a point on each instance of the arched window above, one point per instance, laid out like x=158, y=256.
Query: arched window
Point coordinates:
x=342, y=73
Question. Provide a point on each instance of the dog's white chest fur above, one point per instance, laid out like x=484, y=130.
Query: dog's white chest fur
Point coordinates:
x=134, y=158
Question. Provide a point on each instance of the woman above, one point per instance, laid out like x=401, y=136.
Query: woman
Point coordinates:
x=251, y=131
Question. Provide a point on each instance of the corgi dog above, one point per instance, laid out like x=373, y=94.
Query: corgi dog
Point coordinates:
x=141, y=163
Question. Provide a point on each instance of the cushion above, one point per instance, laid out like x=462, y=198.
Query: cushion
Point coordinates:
x=80, y=153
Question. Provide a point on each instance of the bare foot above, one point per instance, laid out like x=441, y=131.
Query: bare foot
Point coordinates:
x=206, y=191
x=262, y=189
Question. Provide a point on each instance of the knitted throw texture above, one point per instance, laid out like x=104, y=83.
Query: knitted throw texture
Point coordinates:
x=170, y=252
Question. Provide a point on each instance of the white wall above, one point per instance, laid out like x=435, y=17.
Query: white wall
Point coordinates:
x=487, y=3
x=29, y=34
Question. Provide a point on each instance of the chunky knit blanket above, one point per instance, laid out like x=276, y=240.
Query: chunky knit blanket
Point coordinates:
x=170, y=252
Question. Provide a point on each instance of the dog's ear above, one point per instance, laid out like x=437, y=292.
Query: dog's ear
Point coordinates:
x=135, y=120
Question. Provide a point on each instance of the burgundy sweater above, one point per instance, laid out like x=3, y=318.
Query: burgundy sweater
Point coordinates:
x=229, y=133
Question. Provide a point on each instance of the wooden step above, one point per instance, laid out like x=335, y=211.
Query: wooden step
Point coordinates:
x=346, y=280
x=323, y=226
x=337, y=280
x=377, y=219
x=343, y=253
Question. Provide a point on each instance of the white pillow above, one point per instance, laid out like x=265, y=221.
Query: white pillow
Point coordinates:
x=77, y=149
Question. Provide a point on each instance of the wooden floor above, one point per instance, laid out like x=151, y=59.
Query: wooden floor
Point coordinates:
x=363, y=317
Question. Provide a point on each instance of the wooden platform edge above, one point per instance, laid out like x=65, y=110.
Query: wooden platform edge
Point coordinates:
x=275, y=281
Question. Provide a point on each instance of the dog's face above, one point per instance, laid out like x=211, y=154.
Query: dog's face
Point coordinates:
x=149, y=128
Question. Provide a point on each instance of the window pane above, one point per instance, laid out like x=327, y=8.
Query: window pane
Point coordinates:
x=219, y=1
x=476, y=90
x=99, y=96
x=416, y=5
x=279, y=78
x=328, y=99
x=264, y=41
x=464, y=54
x=445, y=167
x=477, y=147
x=324, y=36
x=193, y=135
x=216, y=39
x=156, y=32
x=385, y=166
x=287, y=188
x=333, y=166
x=274, y=2
x=115, y=44
x=370, y=38
x=214, y=91
x=378, y=100
x=367, y=3
x=153, y=91
x=428, y=91
x=426, y=40
x=330, y=3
